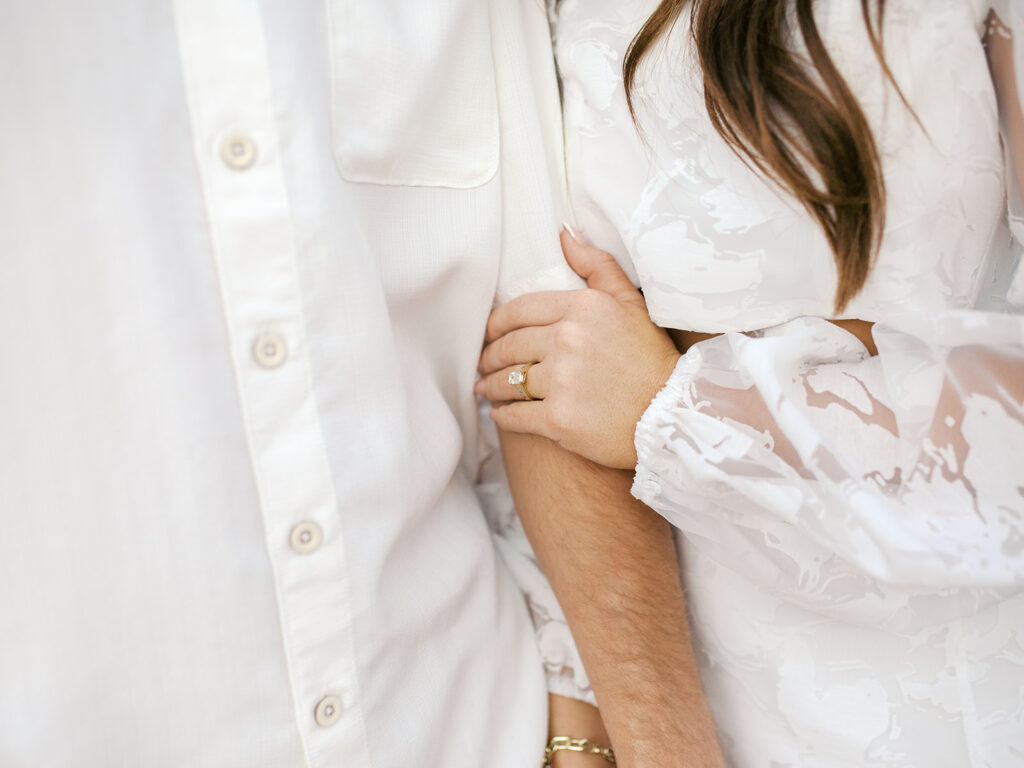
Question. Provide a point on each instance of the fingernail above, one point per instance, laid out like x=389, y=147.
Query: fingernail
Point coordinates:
x=480, y=387
x=574, y=234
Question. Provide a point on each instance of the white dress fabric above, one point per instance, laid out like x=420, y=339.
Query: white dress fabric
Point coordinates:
x=851, y=526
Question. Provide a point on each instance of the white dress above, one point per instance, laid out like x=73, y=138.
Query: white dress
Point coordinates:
x=852, y=527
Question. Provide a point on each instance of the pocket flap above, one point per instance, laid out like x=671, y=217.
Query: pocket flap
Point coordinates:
x=413, y=99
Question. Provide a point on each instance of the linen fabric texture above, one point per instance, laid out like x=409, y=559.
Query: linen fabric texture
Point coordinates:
x=247, y=264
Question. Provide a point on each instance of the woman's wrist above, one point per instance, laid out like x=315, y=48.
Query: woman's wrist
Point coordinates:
x=573, y=719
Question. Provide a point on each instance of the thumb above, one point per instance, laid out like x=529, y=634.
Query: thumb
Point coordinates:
x=597, y=267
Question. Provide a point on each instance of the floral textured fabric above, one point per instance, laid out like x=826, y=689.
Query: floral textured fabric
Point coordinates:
x=851, y=526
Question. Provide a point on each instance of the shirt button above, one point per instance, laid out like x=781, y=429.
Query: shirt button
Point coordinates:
x=238, y=151
x=328, y=711
x=306, y=537
x=270, y=350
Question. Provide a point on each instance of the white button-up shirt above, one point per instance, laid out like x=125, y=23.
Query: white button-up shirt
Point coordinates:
x=247, y=253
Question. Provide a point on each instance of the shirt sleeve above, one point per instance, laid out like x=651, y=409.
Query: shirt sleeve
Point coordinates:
x=533, y=208
x=532, y=167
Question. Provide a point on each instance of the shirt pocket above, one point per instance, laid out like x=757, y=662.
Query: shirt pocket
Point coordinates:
x=413, y=97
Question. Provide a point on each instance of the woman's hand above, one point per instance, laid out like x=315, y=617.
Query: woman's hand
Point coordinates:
x=598, y=360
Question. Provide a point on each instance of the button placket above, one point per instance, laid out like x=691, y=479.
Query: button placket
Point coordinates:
x=257, y=264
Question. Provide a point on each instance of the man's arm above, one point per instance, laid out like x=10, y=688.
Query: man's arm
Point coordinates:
x=612, y=564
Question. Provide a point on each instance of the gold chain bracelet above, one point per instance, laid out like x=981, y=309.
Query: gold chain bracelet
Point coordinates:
x=565, y=744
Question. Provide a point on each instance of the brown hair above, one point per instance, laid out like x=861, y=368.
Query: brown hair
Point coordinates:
x=808, y=134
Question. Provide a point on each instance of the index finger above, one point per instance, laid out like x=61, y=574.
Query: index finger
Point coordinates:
x=541, y=308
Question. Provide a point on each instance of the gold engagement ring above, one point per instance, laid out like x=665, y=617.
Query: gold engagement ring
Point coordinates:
x=518, y=380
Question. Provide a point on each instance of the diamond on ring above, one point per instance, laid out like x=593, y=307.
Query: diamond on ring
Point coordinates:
x=517, y=379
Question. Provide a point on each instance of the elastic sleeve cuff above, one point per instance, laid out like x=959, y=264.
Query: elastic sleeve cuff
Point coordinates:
x=649, y=438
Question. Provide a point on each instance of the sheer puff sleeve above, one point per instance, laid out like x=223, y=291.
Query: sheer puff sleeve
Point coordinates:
x=908, y=465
